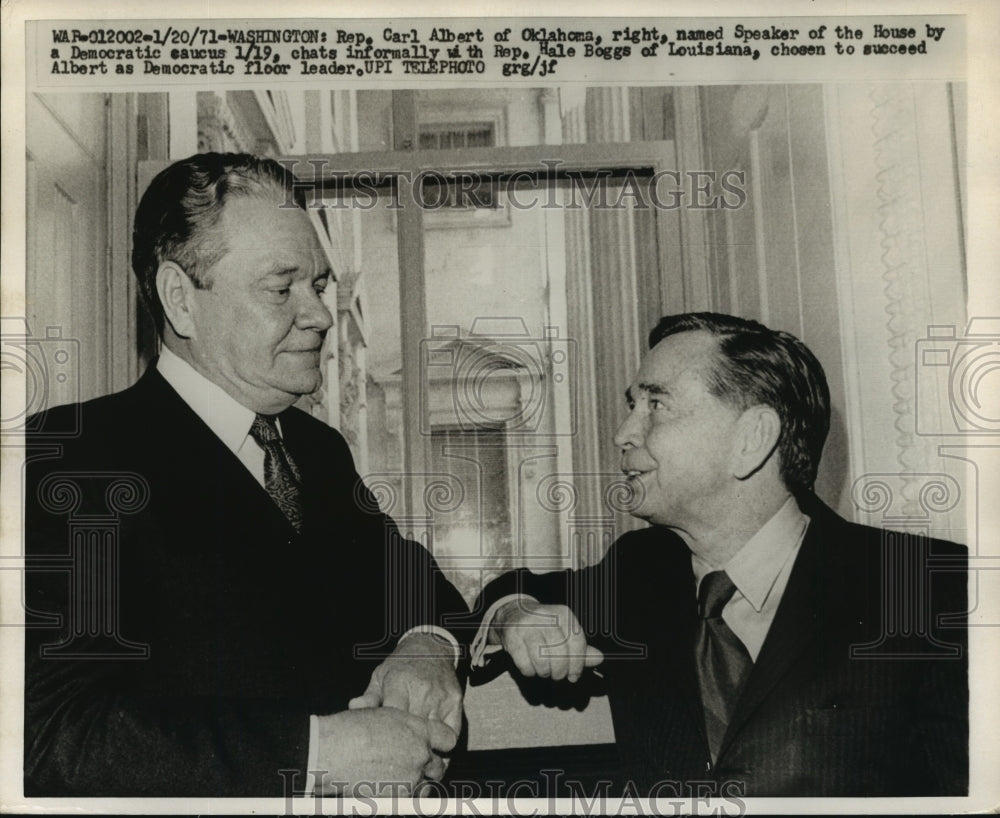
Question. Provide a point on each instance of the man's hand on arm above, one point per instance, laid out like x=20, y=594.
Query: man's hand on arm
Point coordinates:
x=418, y=678
x=385, y=748
x=542, y=640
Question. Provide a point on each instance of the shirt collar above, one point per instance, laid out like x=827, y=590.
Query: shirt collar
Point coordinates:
x=756, y=566
x=229, y=419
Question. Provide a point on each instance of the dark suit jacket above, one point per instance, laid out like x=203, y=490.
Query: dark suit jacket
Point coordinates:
x=180, y=631
x=860, y=688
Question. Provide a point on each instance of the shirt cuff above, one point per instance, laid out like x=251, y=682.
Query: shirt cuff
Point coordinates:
x=480, y=649
x=313, y=755
x=435, y=630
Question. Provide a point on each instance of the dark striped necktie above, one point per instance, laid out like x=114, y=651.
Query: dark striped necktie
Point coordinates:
x=721, y=659
x=281, y=476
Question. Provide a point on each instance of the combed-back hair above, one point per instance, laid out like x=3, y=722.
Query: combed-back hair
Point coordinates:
x=177, y=214
x=757, y=365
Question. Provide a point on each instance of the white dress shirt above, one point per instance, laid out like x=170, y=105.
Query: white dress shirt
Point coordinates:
x=760, y=571
x=228, y=419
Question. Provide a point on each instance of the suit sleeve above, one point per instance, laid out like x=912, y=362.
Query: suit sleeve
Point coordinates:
x=416, y=591
x=591, y=593
x=85, y=737
x=89, y=729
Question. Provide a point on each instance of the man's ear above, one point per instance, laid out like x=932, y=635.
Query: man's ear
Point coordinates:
x=758, y=432
x=176, y=290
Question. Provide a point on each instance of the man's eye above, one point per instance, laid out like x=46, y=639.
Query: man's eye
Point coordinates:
x=320, y=287
x=656, y=403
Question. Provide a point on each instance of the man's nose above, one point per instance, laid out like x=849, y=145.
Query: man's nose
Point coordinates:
x=313, y=314
x=629, y=433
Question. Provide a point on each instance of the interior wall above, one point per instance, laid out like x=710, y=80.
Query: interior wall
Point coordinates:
x=77, y=299
x=773, y=257
x=850, y=239
x=896, y=176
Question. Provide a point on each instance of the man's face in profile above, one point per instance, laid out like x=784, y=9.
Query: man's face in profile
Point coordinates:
x=678, y=439
x=260, y=323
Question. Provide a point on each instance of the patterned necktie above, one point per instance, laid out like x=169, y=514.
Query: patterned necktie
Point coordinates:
x=281, y=476
x=721, y=659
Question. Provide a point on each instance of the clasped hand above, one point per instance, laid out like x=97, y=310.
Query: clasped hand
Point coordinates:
x=543, y=640
x=390, y=736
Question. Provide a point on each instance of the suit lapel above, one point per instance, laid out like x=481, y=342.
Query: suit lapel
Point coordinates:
x=796, y=624
x=318, y=467
x=192, y=461
x=300, y=446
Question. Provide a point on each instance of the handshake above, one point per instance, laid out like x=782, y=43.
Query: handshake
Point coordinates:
x=393, y=734
x=396, y=732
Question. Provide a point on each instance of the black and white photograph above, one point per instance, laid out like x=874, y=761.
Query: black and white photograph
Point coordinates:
x=564, y=410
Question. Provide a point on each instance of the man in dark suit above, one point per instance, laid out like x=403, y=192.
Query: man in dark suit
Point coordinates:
x=210, y=586
x=753, y=642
